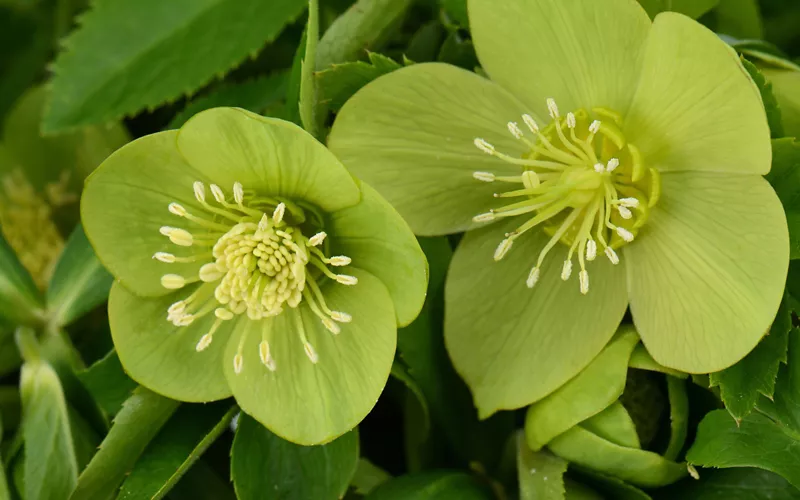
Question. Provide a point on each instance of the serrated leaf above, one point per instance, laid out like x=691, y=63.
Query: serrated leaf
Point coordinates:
x=181, y=442
x=129, y=56
x=784, y=407
x=540, y=473
x=431, y=485
x=141, y=417
x=338, y=83
x=785, y=179
x=768, y=98
x=20, y=302
x=108, y=384
x=266, y=467
x=254, y=95
x=79, y=282
x=742, y=483
x=755, y=375
x=51, y=469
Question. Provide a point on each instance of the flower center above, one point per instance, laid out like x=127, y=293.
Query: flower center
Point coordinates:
x=581, y=181
x=256, y=264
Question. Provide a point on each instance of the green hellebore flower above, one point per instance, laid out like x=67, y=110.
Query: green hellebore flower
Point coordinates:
x=228, y=238
x=648, y=175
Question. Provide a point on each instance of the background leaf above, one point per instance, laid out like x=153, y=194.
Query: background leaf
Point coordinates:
x=340, y=82
x=107, y=382
x=19, y=299
x=691, y=8
x=434, y=485
x=785, y=179
x=731, y=484
x=541, y=474
x=114, y=67
x=266, y=467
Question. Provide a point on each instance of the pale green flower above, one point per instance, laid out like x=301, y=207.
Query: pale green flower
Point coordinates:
x=625, y=158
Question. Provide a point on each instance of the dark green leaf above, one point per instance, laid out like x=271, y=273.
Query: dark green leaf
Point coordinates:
x=79, y=283
x=338, y=83
x=741, y=384
x=255, y=95
x=51, y=469
x=400, y=372
x=785, y=179
x=541, y=474
x=433, y=485
x=739, y=18
x=128, y=56
x=768, y=97
x=141, y=417
x=202, y=482
x=609, y=486
x=457, y=11
x=19, y=300
x=458, y=51
x=731, y=484
x=264, y=466
x=292, y=112
x=368, y=476
x=108, y=384
x=190, y=431
x=756, y=442
x=691, y=8
x=308, y=87
x=9, y=356
x=784, y=407
x=10, y=409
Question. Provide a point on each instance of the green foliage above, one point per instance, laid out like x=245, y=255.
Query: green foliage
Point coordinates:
x=435, y=485
x=108, y=383
x=691, y=8
x=768, y=97
x=741, y=483
x=339, y=82
x=19, y=299
x=785, y=179
x=541, y=474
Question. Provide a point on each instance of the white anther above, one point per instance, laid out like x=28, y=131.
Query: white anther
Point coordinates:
x=185, y=320
x=173, y=281
x=594, y=127
x=487, y=217
x=331, y=326
x=533, y=277
x=484, y=146
x=629, y=202
x=613, y=163
x=341, y=317
x=583, y=277
x=515, y=130
x=503, y=248
x=531, y=123
x=238, y=362
x=310, y=352
x=266, y=357
x=176, y=308
x=552, y=108
x=530, y=180
x=204, y=342
x=199, y=191
x=263, y=224
x=571, y=122
x=625, y=234
x=164, y=257
x=612, y=255
x=317, y=239
x=483, y=176
x=346, y=280
x=180, y=237
x=340, y=260
x=223, y=313
x=210, y=272
x=238, y=192
x=624, y=212
x=566, y=271
x=591, y=250
x=218, y=194
x=177, y=209
x=277, y=215
x=599, y=168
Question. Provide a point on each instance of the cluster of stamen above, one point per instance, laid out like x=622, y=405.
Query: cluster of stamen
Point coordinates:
x=581, y=182
x=258, y=262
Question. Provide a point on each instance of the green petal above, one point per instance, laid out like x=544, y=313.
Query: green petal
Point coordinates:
x=696, y=107
x=513, y=345
x=310, y=403
x=125, y=203
x=409, y=134
x=707, y=273
x=614, y=424
x=161, y=356
x=582, y=54
x=378, y=240
x=274, y=156
x=590, y=392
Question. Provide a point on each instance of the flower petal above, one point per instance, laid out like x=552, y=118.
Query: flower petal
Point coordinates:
x=696, y=107
x=706, y=274
x=125, y=203
x=513, y=345
x=309, y=403
x=233, y=145
x=378, y=240
x=410, y=135
x=161, y=356
x=582, y=54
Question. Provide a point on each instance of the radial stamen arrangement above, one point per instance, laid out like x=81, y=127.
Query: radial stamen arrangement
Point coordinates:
x=581, y=182
x=256, y=262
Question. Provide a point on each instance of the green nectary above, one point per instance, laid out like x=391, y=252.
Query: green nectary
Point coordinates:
x=224, y=237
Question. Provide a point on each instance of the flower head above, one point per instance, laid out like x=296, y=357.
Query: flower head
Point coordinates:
x=610, y=162
x=250, y=262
